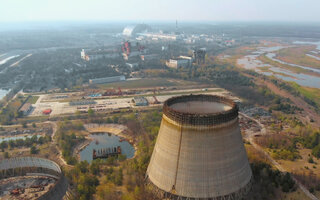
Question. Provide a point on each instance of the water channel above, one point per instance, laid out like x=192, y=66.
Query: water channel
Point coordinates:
x=252, y=62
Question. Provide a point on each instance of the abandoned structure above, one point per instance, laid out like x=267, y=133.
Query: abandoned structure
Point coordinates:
x=33, y=166
x=199, y=153
x=199, y=56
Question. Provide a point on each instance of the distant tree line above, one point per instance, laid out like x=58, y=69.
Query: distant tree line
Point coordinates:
x=27, y=142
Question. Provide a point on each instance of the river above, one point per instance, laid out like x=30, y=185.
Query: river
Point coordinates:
x=308, y=42
x=3, y=61
x=252, y=62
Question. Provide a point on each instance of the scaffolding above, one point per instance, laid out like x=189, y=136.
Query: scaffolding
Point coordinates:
x=30, y=166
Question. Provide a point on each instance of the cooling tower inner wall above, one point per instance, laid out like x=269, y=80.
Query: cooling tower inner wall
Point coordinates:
x=199, y=159
x=200, y=107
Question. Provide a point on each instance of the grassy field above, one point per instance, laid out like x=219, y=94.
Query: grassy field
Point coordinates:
x=310, y=93
x=256, y=156
x=296, y=195
x=297, y=55
x=302, y=165
x=33, y=99
x=230, y=56
x=147, y=83
x=267, y=60
x=233, y=54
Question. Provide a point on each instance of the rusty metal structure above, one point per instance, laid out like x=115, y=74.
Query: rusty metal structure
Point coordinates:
x=199, y=153
x=106, y=152
x=26, y=166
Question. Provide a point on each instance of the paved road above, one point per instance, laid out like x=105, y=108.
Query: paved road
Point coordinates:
x=274, y=162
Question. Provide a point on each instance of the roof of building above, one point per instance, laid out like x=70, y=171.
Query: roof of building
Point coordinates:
x=110, y=77
x=133, y=30
x=25, y=107
x=140, y=100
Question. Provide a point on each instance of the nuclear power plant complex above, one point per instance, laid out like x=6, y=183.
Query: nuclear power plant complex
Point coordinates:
x=199, y=153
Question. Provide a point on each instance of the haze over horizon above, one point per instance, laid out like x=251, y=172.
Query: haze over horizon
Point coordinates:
x=144, y=10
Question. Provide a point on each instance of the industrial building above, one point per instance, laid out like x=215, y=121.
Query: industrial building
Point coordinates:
x=82, y=102
x=132, y=31
x=161, y=36
x=199, y=55
x=84, y=56
x=98, y=54
x=107, y=79
x=132, y=65
x=141, y=31
x=26, y=109
x=129, y=50
x=140, y=101
x=199, y=152
x=178, y=63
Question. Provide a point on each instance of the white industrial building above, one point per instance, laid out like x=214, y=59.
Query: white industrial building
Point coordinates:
x=107, y=79
x=132, y=65
x=131, y=31
x=84, y=56
x=160, y=36
x=140, y=101
x=179, y=62
x=98, y=54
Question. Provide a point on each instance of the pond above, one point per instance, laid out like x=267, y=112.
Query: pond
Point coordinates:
x=103, y=141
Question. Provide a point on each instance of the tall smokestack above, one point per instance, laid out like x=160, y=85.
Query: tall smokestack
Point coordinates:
x=199, y=153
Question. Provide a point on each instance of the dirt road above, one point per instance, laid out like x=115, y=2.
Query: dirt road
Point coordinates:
x=54, y=130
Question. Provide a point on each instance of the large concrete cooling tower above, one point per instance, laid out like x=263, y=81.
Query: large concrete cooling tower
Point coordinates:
x=199, y=153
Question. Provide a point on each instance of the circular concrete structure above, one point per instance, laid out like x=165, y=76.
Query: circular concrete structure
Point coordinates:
x=199, y=153
x=33, y=166
x=134, y=30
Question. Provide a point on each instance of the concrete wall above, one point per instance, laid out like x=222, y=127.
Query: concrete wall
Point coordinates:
x=21, y=166
x=199, y=161
x=107, y=79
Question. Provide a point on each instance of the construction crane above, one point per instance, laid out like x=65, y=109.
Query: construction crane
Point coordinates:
x=120, y=92
x=109, y=92
x=154, y=91
x=155, y=100
x=154, y=97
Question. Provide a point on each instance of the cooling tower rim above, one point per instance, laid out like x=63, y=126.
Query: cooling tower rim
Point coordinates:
x=214, y=118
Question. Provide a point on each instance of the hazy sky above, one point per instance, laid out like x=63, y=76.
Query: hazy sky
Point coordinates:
x=209, y=10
